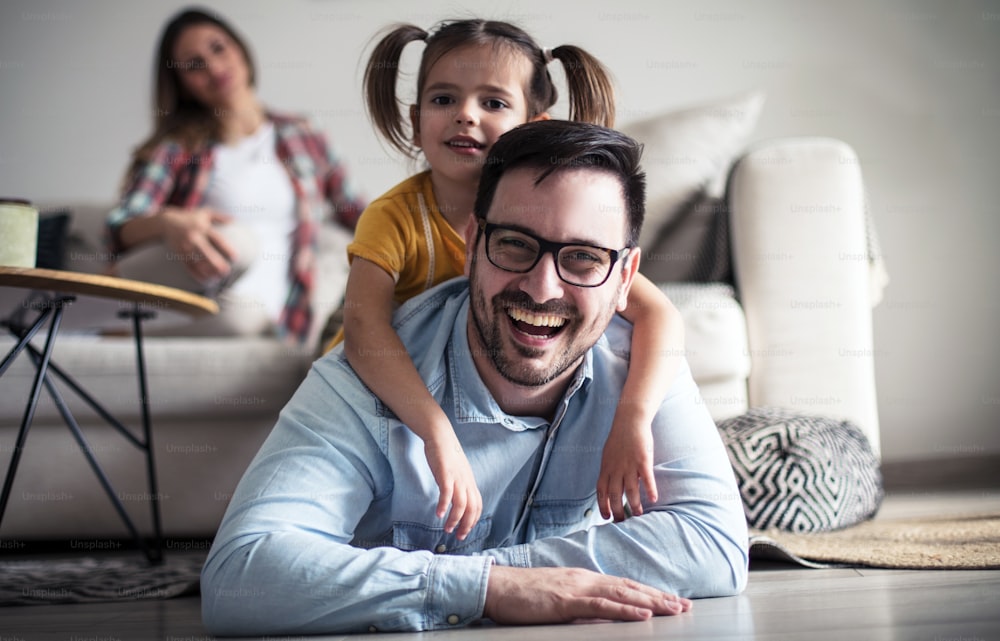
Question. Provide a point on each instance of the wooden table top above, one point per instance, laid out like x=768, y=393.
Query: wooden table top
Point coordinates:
x=157, y=296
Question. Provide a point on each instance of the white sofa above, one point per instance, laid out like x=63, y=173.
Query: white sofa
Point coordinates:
x=795, y=333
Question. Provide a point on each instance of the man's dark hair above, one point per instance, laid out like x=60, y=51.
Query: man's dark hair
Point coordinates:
x=557, y=145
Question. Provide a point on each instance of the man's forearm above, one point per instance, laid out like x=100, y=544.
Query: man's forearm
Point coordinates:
x=669, y=550
x=297, y=583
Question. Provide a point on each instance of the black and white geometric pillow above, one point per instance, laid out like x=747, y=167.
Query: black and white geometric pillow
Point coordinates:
x=802, y=473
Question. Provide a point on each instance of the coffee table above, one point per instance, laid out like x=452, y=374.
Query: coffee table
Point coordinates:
x=141, y=302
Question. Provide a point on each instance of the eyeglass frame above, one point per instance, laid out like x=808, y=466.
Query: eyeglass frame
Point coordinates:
x=545, y=246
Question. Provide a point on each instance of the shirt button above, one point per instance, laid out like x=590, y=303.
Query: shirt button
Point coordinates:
x=452, y=619
x=372, y=628
x=588, y=512
x=441, y=548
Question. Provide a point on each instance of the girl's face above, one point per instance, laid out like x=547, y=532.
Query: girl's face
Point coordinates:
x=211, y=66
x=471, y=96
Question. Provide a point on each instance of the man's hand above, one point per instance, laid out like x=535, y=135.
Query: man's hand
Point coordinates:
x=561, y=595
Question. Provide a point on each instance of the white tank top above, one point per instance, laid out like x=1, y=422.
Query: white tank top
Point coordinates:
x=250, y=184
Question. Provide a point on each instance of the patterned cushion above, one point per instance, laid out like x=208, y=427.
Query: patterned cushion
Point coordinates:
x=802, y=473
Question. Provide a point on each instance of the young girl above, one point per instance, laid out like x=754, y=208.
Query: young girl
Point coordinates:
x=478, y=79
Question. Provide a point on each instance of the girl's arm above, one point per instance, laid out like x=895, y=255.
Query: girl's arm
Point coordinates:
x=379, y=358
x=657, y=349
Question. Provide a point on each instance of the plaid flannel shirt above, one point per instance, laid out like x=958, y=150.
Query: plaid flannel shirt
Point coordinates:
x=178, y=177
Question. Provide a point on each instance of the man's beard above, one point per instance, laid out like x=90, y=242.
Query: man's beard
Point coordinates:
x=488, y=317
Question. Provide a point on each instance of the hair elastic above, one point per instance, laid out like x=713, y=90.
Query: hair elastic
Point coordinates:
x=547, y=55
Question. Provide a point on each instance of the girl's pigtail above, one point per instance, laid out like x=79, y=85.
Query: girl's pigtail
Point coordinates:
x=591, y=92
x=381, y=76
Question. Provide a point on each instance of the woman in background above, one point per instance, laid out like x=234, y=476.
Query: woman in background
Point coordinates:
x=225, y=198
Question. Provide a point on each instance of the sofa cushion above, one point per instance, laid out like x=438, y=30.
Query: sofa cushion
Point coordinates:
x=688, y=154
x=802, y=473
x=211, y=378
x=715, y=344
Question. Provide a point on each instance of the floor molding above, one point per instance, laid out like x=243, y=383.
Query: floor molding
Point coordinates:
x=944, y=473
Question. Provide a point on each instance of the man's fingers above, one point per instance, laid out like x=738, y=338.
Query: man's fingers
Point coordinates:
x=550, y=595
x=635, y=594
x=623, y=605
x=601, y=608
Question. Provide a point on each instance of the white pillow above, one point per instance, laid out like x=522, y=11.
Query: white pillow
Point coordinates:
x=688, y=153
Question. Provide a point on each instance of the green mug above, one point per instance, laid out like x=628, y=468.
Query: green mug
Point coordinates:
x=18, y=233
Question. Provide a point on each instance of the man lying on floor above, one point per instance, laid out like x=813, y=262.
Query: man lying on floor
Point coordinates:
x=333, y=527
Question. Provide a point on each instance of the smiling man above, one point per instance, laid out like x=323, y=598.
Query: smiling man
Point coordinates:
x=333, y=527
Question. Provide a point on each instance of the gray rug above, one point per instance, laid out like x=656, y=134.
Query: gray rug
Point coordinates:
x=93, y=579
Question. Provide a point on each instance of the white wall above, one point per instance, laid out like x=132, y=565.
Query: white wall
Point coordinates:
x=913, y=86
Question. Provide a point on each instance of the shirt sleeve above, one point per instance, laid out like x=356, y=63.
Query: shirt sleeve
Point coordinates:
x=148, y=189
x=383, y=236
x=692, y=542
x=284, y=560
x=346, y=206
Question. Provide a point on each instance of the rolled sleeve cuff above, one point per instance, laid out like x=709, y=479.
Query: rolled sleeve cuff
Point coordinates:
x=457, y=590
x=515, y=556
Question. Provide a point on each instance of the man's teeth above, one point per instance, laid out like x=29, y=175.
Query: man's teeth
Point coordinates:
x=538, y=320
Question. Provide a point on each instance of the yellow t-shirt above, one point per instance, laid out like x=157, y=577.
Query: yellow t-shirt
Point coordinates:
x=404, y=233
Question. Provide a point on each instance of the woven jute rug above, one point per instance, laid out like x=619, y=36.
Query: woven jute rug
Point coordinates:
x=92, y=579
x=964, y=542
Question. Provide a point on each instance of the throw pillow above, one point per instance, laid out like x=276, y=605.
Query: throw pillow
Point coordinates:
x=53, y=229
x=802, y=473
x=688, y=155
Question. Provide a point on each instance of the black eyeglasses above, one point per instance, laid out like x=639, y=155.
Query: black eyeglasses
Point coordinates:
x=517, y=251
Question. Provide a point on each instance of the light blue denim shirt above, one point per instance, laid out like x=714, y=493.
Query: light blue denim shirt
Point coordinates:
x=332, y=528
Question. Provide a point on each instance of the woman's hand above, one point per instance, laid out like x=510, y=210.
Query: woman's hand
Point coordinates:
x=192, y=237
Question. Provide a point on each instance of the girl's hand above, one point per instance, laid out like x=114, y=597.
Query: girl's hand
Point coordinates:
x=456, y=483
x=627, y=463
x=191, y=235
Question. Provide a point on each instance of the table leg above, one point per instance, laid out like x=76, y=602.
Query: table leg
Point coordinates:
x=74, y=428
x=36, y=388
x=44, y=365
x=138, y=315
x=23, y=337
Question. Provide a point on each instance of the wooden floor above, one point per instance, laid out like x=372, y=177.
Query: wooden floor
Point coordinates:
x=781, y=602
